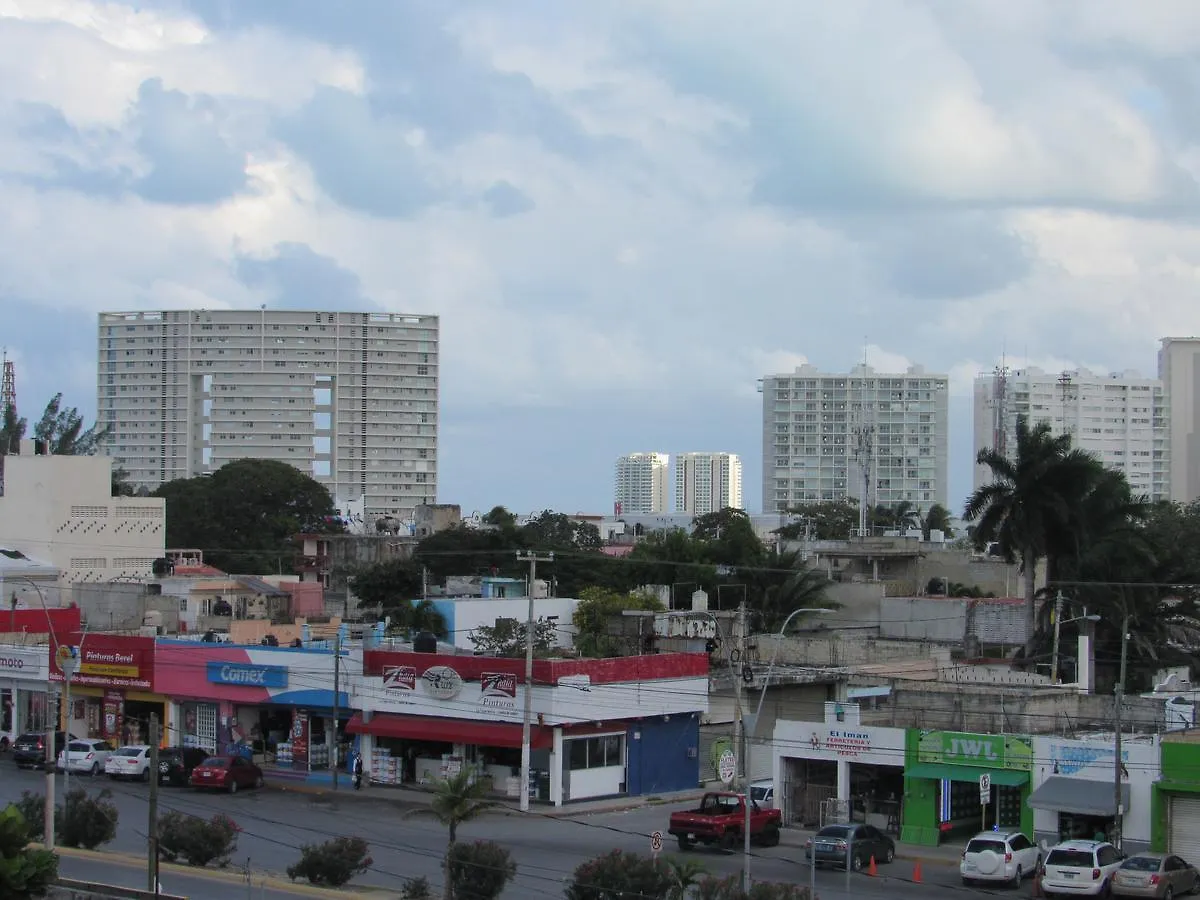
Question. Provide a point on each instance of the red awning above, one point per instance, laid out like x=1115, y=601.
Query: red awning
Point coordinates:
x=452, y=731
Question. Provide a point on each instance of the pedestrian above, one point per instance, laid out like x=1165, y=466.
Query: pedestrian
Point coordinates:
x=358, y=772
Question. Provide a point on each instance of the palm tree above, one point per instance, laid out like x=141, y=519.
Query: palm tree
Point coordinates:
x=791, y=584
x=937, y=519
x=1031, y=503
x=458, y=799
x=685, y=874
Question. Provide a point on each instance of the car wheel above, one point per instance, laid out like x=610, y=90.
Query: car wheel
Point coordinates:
x=726, y=841
x=258, y=782
x=857, y=862
x=146, y=775
x=685, y=843
x=889, y=854
x=1016, y=879
x=770, y=836
x=95, y=770
x=232, y=786
x=967, y=882
x=1169, y=893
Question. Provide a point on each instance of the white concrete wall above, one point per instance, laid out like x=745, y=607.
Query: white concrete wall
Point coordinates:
x=469, y=614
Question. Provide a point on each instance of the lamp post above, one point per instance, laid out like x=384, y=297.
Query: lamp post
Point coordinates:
x=1058, y=623
x=1118, y=698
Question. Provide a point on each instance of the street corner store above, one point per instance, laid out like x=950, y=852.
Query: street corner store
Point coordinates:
x=942, y=778
x=1175, y=802
x=24, y=703
x=112, y=692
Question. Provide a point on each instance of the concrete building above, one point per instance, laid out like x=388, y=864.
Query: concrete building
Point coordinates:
x=59, y=510
x=640, y=484
x=348, y=398
x=1179, y=371
x=882, y=437
x=707, y=482
x=1121, y=417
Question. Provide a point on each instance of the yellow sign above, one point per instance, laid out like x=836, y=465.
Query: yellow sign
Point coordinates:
x=109, y=671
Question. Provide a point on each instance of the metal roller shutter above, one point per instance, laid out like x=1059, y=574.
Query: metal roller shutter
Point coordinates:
x=1183, y=814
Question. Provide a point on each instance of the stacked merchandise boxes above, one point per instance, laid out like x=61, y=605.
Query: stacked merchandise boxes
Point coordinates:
x=283, y=754
x=318, y=756
x=385, y=769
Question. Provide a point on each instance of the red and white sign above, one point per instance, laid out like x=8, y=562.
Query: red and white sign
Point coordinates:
x=498, y=691
x=110, y=660
x=402, y=680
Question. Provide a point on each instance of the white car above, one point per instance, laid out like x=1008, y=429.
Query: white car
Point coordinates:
x=1080, y=868
x=129, y=762
x=86, y=755
x=763, y=793
x=999, y=856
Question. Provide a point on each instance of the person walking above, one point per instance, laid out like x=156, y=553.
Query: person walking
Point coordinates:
x=358, y=772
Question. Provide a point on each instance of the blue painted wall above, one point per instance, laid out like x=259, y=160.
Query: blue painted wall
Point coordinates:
x=659, y=760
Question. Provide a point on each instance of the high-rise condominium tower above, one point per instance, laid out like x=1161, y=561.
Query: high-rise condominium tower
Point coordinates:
x=866, y=435
x=1120, y=418
x=641, y=484
x=1179, y=370
x=707, y=482
x=348, y=398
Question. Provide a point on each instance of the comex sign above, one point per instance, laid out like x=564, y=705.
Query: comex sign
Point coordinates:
x=246, y=675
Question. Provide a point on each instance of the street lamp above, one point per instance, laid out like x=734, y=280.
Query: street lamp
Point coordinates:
x=1058, y=623
x=1118, y=699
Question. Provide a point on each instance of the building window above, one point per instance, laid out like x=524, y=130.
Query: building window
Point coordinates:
x=597, y=752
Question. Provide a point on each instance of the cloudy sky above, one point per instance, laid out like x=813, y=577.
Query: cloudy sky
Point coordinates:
x=625, y=212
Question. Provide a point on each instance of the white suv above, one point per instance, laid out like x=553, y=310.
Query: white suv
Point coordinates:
x=1080, y=868
x=999, y=856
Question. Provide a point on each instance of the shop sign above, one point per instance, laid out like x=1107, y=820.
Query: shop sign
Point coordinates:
x=22, y=662
x=400, y=681
x=1072, y=759
x=442, y=682
x=109, y=664
x=247, y=675
x=843, y=743
x=498, y=691
x=995, y=751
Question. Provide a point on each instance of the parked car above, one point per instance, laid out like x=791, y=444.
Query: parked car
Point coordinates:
x=833, y=844
x=1155, y=875
x=1080, y=868
x=763, y=793
x=227, y=773
x=999, y=856
x=720, y=819
x=86, y=755
x=29, y=749
x=129, y=762
x=175, y=764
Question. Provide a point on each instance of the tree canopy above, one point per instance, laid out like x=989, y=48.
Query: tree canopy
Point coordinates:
x=60, y=427
x=245, y=515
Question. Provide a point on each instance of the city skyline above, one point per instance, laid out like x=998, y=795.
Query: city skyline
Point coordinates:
x=624, y=215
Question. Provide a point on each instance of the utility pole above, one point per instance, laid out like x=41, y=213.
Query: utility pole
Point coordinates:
x=1058, y=607
x=51, y=730
x=533, y=559
x=743, y=750
x=1118, y=699
x=337, y=687
x=152, y=859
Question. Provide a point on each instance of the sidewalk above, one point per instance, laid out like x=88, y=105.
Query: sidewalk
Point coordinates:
x=945, y=855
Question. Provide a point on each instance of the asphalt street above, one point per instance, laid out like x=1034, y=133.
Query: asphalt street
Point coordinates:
x=125, y=874
x=406, y=842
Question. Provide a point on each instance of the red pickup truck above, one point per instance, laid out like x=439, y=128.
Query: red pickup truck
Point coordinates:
x=720, y=819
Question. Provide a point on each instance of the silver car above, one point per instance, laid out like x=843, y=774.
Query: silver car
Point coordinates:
x=1155, y=875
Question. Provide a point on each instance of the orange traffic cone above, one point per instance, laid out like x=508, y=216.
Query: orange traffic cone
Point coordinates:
x=1037, y=883
x=871, y=870
x=917, y=872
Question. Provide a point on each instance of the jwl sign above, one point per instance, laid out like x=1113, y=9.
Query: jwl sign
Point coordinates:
x=246, y=675
x=993, y=751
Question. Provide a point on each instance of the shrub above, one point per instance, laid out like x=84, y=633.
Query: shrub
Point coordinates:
x=730, y=888
x=197, y=841
x=417, y=889
x=479, y=871
x=24, y=872
x=84, y=820
x=333, y=863
x=617, y=873
x=32, y=808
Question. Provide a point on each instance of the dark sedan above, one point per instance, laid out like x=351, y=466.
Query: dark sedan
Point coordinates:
x=834, y=844
x=226, y=773
x=30, y=749
x=175, y=764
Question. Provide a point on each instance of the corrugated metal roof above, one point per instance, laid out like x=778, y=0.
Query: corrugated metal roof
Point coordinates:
x=259, y=586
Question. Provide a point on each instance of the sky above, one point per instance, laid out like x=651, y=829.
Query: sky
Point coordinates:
x=626, y=213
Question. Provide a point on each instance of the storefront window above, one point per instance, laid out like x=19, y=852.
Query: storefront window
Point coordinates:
x=596, y=752
x=6, y=711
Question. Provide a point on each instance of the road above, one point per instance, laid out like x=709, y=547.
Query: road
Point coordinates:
x=407, y=843
x=125, y=874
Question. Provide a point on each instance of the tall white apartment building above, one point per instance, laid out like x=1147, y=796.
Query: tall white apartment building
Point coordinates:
x=1121, y=418
x=707, y=482
x=640, y=484
x=866, y=435
x=1179, y=371
x=350, y=398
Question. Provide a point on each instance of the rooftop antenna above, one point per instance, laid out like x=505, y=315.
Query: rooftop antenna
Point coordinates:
x=8, y=393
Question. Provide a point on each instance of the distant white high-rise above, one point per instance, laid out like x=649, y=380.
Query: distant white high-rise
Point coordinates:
x=1121, y=418
x=640, y=484
x=707, y=482
x=1179, y=371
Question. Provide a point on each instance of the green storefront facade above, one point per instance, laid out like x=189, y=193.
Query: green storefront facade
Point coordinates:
x=941, y=784
x=1175, y=800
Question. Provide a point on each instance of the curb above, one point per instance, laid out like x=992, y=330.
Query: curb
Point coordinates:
x=227, y=876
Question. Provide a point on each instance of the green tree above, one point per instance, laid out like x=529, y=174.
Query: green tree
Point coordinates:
x=900, y=516
x=508, y=637
x=826, y=520
x=595, y=611
x=87, y=821
x=500, y=518
x=12, y=429
x=463, y=550
x=457, y=800
x=730, y=888
x=727, y=539
x=1028, y=505
x=618, y=874
x=550, y=530
x=246, y=515
x=787, y=584
x=479, y=871
x=937, y=519
x=389, y=585
x=24, y=871
x=63, y=430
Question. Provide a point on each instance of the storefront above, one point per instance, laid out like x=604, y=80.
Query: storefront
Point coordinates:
x=1074, y=794
x=942, y=785
x=425, y=717
x=112, y=691
x=1175, y=806
x=23, y=686
x=839, y=770
x=274, y=705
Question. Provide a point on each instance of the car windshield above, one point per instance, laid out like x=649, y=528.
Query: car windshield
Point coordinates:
x=978, y=846
x=78, y=747
x=1142, y=864
x=129, y=751
x=758, y=794
x=1079, y=859
x=833, y=831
